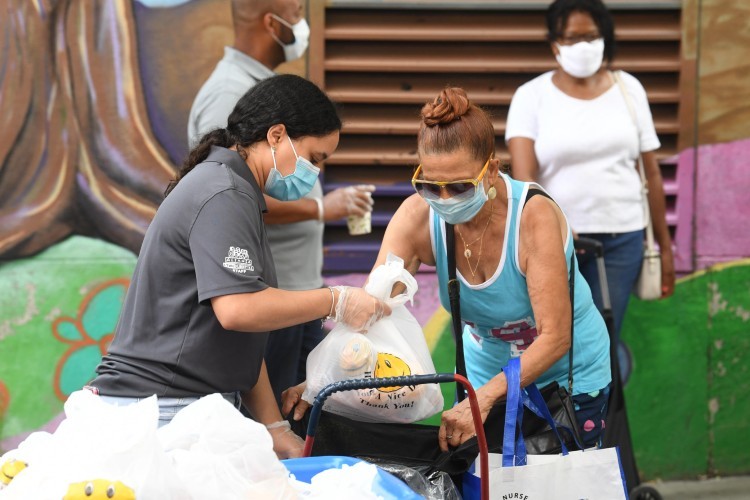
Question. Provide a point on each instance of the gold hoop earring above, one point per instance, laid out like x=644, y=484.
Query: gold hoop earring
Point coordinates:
x=492, y=193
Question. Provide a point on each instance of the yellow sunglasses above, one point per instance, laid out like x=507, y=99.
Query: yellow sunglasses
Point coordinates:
x=431, y=189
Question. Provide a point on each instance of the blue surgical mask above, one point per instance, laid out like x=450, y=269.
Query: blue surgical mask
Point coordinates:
x=454, y=211
x=295, y=185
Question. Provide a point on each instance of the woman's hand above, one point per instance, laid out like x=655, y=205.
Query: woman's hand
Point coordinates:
x=457, y=425
x=667, y=274
x=358, y=309
x=292, y=399
x=286, y=443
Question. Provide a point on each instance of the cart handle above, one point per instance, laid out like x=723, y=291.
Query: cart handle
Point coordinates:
x=596, y=247
x=374, y=383
x=589, y=245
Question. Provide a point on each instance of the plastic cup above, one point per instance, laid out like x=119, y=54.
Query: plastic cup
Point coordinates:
x=359, y=225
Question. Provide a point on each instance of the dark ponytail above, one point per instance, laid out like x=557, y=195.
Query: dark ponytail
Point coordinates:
x=298, y=104
x=217, y=137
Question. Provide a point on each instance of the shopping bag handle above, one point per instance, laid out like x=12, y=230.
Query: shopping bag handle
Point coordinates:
x=514, y=448
x=383, y=278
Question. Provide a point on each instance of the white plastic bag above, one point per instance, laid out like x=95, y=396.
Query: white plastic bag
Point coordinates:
x=348, y=482
x=216, y=452
x=96, y=441
x=209, y=450
x=393, y=346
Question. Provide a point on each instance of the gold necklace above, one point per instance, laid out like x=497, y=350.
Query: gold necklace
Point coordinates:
x=467, y=250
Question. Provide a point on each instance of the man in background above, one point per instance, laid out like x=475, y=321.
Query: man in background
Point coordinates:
x=266, y=34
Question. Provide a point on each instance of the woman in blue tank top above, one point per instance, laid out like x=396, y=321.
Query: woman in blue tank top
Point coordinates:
x=512, y=258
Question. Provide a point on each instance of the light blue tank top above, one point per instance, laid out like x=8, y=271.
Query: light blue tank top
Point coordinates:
x=497, y=316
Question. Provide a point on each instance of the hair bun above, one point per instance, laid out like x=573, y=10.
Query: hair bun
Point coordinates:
x=449, y=106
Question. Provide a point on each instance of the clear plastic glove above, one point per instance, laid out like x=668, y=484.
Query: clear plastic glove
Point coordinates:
x=351, y=200
x=286, y=443
x=358, y=309
x=291, y=399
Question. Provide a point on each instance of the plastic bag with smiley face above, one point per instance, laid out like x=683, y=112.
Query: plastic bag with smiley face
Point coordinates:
x=393, y=346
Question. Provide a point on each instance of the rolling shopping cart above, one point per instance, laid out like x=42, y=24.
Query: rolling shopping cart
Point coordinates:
x=373, y=383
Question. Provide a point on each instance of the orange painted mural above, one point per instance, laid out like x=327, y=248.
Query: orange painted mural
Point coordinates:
x=88, y=335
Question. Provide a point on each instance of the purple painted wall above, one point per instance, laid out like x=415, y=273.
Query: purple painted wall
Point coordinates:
x=683, y=237
x=722, y=203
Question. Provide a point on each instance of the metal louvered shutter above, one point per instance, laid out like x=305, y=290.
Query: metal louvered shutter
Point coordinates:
x=383, y=60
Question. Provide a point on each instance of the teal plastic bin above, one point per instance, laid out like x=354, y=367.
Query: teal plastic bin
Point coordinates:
x=385, y=485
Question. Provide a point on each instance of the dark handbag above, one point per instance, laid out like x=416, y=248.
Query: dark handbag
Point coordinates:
x=539, y=438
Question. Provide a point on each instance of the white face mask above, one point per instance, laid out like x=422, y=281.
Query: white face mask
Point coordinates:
x=582, y=59
x=301, y=32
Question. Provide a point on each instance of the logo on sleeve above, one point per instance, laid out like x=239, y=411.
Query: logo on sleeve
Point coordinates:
x=238, y=260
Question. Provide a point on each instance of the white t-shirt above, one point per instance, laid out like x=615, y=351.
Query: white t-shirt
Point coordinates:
x=587, y=150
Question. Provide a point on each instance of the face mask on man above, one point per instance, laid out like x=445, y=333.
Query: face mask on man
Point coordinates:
x=456, y=211
x=295, y=185
x=301, y=32
x=583, y=59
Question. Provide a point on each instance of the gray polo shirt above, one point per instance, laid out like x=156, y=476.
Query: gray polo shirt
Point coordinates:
x=297, y=247
x=234, y=75
x=206, y=240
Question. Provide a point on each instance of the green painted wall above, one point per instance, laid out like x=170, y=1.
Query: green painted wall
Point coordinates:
x=58, y=310
x=688, y=395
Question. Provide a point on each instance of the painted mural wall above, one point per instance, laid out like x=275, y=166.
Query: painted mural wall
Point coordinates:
x=94, y=97
x=94, y=100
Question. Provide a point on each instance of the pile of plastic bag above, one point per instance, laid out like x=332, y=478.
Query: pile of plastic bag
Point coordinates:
x=393, y=346
x=209, y=450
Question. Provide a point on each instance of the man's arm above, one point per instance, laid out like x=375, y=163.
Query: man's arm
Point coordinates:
x=339, y=203
x=287, y=212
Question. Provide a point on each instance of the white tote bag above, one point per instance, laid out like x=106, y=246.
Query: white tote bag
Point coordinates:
x=594, y=474
x=590, y=474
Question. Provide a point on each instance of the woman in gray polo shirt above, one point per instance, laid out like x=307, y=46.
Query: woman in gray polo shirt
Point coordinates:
x=203, y=295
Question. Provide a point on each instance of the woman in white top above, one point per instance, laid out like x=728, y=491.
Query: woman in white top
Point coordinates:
x=570, y=130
